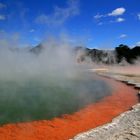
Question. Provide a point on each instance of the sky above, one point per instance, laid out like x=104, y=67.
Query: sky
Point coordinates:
x=92, y=23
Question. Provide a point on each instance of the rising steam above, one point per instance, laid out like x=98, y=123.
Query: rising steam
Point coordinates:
x=45, y=85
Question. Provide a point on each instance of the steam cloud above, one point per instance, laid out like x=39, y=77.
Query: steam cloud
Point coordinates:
x=46, y=85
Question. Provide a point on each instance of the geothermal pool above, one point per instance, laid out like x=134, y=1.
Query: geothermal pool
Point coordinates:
x=67, y=126
x=33, y=99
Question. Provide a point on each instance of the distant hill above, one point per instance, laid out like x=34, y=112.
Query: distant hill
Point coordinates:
x=95, y=55
x=118, y=55
x=37, y=49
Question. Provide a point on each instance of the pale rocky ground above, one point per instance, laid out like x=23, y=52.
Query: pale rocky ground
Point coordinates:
x=124, y=127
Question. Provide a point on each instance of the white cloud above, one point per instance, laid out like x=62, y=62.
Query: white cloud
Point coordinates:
x=2, y=17
x=98, y=16
x=138, y=43
x=100, y=23
x=6, y=39
x=138, y=16
x=2, y=5
x=120, y=19
x=60, y=15
x=117, y=12
x=37, y=39
x=32, y=30
x=123, y=36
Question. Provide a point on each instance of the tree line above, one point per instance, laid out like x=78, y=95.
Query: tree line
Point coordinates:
x=120, y=53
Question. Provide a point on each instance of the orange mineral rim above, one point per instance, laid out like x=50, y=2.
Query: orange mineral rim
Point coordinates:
x=68, y=126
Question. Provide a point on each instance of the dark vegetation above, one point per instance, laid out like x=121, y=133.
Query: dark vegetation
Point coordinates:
x=122, y=52
x=119, y=54
x=130, y=54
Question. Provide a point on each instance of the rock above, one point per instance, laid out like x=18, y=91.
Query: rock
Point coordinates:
x=124, y=81
x=125, y=126
x=130, y=82
x=137, y=85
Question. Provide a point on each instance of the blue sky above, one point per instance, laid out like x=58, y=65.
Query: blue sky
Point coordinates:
x=94, y=23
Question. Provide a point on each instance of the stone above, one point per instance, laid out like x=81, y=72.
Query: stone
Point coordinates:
x=125, y=126
x=137, y=85
x=130, y=82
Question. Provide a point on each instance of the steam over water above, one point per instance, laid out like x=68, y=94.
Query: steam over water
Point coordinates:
x=44, y=86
